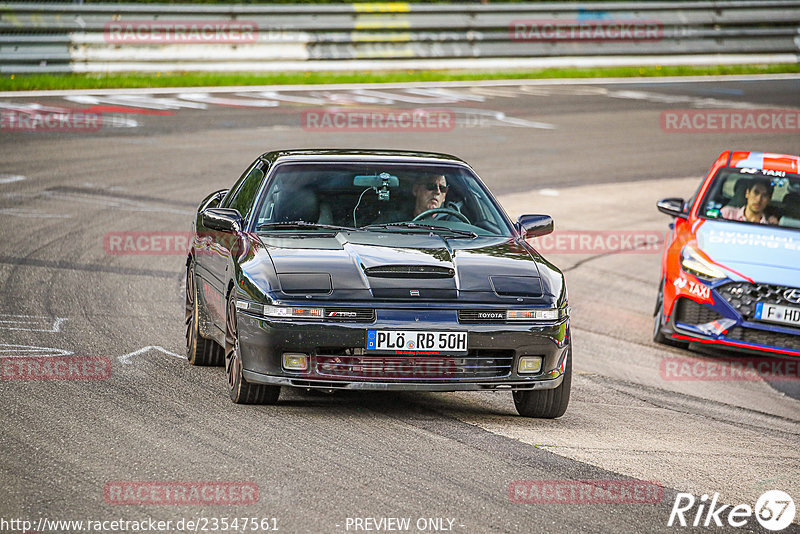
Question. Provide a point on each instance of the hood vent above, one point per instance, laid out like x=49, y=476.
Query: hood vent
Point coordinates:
x=410, y=271
x=516, y=286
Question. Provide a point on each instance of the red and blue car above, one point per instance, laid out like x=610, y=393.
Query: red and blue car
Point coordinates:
x=730, y=269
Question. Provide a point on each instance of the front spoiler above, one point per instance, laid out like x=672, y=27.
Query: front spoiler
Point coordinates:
x=367, y=385
x=738, y=346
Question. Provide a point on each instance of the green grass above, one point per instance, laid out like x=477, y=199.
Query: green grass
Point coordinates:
x=23, y=82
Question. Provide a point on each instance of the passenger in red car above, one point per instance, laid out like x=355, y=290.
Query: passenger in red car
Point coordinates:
x=758, y=195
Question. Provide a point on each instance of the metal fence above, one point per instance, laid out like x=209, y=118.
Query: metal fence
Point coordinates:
x=42, y=37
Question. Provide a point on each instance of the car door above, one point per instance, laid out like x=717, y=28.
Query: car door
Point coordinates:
x=217, y=260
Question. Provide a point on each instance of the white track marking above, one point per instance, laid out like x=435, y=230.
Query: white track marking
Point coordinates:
x=126, y=358
x=409, y=98
x=146, y=101
x=10, y=178
x=501, y=119
x=206, y=98
x=26, y=351
x=32, y=107
x=549, y=192
x=19, y=212
x=276, y=95
x=694, y=101
x=446, y=93
x=495, y=92
x=31, y=323
x=350, y=97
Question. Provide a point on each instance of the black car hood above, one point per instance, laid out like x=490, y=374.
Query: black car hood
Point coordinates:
x=394, y=265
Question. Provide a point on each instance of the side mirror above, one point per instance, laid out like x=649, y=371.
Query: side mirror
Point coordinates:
x=213, y=200
x=535, y=225
x=222, y=220
x=673, y=207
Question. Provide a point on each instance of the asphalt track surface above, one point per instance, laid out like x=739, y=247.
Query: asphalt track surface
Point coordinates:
x=594, y=156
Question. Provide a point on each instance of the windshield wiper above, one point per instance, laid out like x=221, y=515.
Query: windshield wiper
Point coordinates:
x=417, y=226
x=300, y=225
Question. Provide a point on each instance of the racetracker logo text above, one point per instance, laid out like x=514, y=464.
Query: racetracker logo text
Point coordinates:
x=148, y=243
x=586, y=30
x=55, y=368
x=180, y=493
x=180, y=31
x=585, y=492
x=372, y=120
x=742, y=369
x=599, y=242
x=50, y=121
x=730, y=120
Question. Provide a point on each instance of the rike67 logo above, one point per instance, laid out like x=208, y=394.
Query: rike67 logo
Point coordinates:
x=774, y=510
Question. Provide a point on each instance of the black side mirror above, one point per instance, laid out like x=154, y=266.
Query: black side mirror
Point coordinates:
x=222, y=220
x=212, y=200
x=673, y=207
x=535, y=225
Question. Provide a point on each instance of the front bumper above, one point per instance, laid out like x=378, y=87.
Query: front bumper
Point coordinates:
x=337, y=359
x=729, y=322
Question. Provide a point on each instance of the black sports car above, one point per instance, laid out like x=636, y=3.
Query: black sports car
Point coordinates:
x=380, y=270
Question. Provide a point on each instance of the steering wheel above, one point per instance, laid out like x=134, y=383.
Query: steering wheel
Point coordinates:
x=454, y=213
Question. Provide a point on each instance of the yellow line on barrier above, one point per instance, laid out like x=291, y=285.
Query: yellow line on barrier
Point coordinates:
x=358, y=37
x=379, y=22
x=381, y=7
x=11, y=17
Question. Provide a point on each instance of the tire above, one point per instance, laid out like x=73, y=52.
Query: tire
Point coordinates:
x=658, y=323
x=199, y=350
x=546, y=403
x=241, y=391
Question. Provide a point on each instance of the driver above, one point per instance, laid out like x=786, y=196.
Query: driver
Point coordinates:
x=429, y=193
x=758, y=195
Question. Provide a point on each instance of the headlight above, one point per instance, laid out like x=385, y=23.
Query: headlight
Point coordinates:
x=694, y=264
x=282, y=312
x=548, y=314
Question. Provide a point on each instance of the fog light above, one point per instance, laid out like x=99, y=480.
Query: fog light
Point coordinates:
x=295, y=362
x=529, y=365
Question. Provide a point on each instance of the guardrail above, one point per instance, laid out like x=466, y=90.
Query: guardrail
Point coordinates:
x=156, y=37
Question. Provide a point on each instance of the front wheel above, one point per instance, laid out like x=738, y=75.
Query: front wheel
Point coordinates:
x=199, y=350
x=546, y=403
x=241, y=391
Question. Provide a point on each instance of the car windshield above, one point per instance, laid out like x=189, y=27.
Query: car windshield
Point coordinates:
x=754, y=196
x=380, y=197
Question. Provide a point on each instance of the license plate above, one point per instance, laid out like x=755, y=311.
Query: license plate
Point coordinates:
x=406, y=340
x=777, y=314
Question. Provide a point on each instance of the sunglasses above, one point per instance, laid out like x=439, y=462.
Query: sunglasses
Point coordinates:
x=437, y=187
